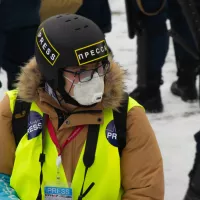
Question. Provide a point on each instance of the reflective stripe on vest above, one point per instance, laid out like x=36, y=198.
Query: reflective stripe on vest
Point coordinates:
x=105, y=172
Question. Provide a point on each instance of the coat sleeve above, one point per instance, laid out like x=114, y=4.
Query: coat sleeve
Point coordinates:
x=7, y=142
x=141, y=162
x=6, y=192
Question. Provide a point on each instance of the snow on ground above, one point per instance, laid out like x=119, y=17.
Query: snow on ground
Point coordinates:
x=176, y=126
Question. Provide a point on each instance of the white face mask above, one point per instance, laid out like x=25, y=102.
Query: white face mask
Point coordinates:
x=90, y=92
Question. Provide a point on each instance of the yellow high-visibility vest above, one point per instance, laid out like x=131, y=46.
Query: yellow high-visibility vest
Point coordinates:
x=105, y=171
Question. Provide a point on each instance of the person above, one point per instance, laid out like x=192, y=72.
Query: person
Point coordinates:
x=50, y=8
x=191, y=10
x=187, y=65
x=17, y=34
x=193, y=190
x=17, y=31
x=153, y=42
x=152, y=48
x=99, y=12
x=70, y=147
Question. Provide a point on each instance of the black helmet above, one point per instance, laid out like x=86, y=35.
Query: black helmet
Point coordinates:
x=67, y=40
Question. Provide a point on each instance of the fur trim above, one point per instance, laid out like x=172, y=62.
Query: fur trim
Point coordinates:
x=30, y=79
x=114, y=87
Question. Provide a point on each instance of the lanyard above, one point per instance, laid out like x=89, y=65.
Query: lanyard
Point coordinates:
x=53, y=136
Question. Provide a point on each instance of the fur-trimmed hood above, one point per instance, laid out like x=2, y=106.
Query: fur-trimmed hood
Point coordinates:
x=30, y=78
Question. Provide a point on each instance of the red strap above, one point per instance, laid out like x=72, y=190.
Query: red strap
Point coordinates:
x=53, y=136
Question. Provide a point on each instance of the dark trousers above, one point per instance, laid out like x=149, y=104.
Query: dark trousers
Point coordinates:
x=16, y=48
x=153, y=45
x=184, y=60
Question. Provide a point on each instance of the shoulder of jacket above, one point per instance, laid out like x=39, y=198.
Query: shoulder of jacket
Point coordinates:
x=12, y=95
x=133, y=103
x=5, y=107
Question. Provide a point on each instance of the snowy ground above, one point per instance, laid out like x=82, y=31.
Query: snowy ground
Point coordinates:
x=175, y=127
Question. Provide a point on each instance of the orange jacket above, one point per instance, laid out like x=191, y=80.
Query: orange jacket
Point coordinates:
x=141, y=161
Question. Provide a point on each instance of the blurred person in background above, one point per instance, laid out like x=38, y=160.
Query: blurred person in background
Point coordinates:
x=99, y=12
x=193, y=191
x=152, y=48
x=153, y=42
x=19, y=21
x=187, y=65
x=191, y=10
